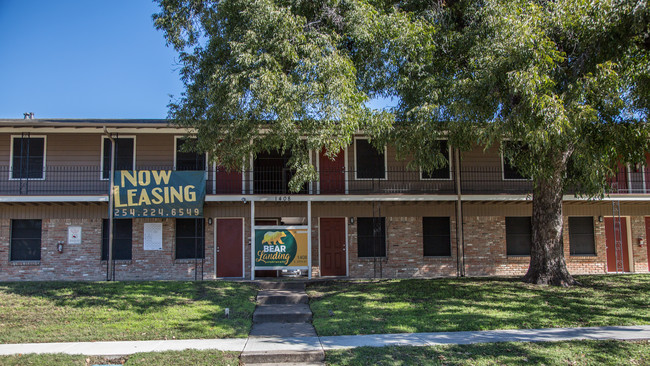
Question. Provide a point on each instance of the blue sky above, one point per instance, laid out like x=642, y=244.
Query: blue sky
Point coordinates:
x=84, y=59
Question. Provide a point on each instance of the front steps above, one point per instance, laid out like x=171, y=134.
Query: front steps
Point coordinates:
x=282, y=311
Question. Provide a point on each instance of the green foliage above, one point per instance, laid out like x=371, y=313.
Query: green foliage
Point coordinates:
x=468, y=304
x=264, y=75
x=569, y=79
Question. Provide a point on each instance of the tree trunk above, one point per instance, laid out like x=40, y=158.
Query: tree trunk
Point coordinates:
x=547, y=264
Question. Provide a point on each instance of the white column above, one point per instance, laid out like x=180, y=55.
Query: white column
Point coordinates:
x=309, y=238
x=252, y=240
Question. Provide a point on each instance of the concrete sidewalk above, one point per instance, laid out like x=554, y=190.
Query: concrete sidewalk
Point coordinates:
x=263, y=344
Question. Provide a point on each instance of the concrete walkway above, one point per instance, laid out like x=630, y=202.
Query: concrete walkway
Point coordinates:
x=334, y=342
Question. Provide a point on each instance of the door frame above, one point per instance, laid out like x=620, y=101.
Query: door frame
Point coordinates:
x=347, y=249
x=628, y=230
x=243, y=246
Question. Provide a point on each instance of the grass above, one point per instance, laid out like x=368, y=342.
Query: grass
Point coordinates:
x=462, y=304
x=549, y=353
x=172, y=358
x=112, y=311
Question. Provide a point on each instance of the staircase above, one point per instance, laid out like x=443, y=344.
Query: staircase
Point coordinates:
x=282, y=311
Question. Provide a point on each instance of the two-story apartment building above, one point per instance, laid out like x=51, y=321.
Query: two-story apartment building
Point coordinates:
x=367, y=216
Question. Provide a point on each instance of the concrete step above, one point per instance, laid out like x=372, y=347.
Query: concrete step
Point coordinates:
x=282, y=285
x=282, y=297
x=282, y=313
x=276, y=357
x=282, y=330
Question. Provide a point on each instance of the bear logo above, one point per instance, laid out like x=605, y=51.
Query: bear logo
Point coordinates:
x=273, y=238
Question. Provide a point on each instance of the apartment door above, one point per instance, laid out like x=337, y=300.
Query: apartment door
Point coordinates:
x=229, y=247
x=611, y=231
x=333, y=247
x=332, y=173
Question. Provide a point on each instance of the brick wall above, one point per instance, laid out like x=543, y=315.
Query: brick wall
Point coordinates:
x=83, y=261
x=485, y=252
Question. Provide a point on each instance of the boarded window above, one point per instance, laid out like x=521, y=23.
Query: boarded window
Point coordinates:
x=188, y=160
x=122, y=239
x=436, y=236
x=370, y=161
x=518, y=235
x=581, y=236
x=442, y=172
x=371, y=236
x=28, y=156
x=190, y=238
x=25, y=240
x=124, y=151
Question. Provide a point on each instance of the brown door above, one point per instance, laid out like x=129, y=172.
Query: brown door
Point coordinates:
x=229, y=247
x=332, y=173
x=332, y=246
x=227, y=182
x=610, y=232
x=647, y=236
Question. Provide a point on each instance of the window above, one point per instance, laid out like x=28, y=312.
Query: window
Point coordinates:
x=510, y=171
x=518, y=235
x=25, y=240
x=442, y=172
x=28, y=157
x=122, y=239
x=188, y=160
x=581, y=236
x=124, y=155
x=436, y=236
x=370, y=163
x=371, y=236
x=190, y=237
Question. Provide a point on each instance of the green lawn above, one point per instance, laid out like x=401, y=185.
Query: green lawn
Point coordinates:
x=573, y=353
x=176, y=358
x=111, y=311
x=459, y=304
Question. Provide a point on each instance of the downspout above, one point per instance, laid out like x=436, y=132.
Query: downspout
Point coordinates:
x=110, y=269
x=460, y=240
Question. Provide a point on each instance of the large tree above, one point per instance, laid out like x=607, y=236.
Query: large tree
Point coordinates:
x=565, y=80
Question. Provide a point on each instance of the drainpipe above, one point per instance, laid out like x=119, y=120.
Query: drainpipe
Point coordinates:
x=460, y=240
x=110, y=266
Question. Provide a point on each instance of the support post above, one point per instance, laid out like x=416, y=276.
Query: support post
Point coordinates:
x=460, y=241
x=252, y=240
x=110, y=266
x=309, y=239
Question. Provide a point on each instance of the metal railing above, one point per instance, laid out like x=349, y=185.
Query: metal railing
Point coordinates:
x=87, y=180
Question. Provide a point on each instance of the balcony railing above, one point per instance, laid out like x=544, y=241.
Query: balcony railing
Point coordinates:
x=87, y=180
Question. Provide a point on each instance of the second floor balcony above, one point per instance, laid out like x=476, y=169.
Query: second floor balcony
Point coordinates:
x=91, y=180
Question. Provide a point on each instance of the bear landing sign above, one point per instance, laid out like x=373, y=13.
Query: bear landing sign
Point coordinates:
x=281, y=247
x=158, y=193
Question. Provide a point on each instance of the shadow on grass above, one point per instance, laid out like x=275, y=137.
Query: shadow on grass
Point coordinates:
x=477, y=304
x=546, y=353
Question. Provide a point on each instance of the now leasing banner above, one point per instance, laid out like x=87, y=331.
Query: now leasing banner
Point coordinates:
x=158, y=193
x=281, y=247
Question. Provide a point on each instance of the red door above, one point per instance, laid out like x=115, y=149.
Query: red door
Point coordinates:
x=610, y=232
x=227, y=182
x=647, y=233
x=229, y=247
x=332, y=246
x=332, y=173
